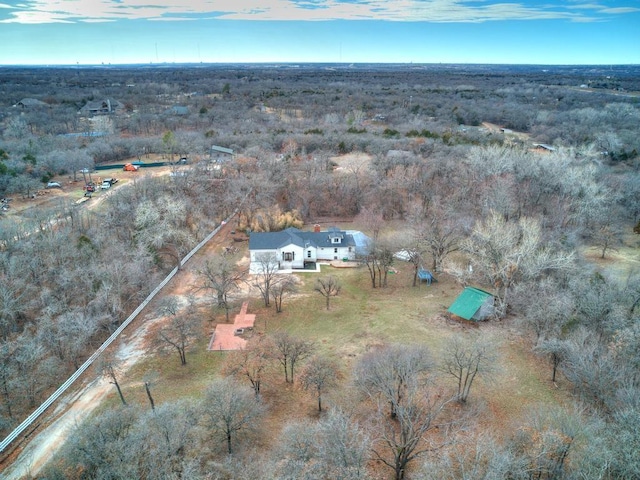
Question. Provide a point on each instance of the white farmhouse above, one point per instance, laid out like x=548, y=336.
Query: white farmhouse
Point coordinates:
x=294, y=249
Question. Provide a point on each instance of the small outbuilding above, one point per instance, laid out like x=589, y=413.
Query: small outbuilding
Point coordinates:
x=473, y=304
x=426, y=276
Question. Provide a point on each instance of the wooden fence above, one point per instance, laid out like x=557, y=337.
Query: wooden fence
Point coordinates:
x=63, y=388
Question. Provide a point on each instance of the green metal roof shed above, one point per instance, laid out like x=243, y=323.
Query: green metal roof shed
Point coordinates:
x=473, y=304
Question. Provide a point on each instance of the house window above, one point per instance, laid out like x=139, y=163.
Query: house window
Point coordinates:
x=308, y=253
x=288, y=256
x=335, y=240
x=349, y=249
x=335, y=250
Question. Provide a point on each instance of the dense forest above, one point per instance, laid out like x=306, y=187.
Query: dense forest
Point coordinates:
x=499, y=176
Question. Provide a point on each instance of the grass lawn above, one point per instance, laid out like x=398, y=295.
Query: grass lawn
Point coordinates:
x=619, y=262
x=360, y=316
x=359, y=319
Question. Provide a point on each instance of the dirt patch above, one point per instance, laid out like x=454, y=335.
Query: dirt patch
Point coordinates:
x=352, y=162
x=508, y=133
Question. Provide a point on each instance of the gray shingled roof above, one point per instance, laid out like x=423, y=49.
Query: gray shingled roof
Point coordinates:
x=216, y=148
x=361, y=241
x=31, y=102
x=274, y=240
x=105, y=106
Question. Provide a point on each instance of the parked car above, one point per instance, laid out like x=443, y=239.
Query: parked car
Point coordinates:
x=108, y=183
x=53, y=185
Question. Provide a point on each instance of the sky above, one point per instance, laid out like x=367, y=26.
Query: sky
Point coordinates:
x=550, y=32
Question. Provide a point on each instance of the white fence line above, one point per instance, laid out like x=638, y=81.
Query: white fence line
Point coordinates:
x=63, y=388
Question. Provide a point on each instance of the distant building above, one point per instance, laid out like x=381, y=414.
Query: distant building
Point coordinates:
x=221, y=154
x=544, y=147
x=177, y=110
x=101, y=107
x=31, y=103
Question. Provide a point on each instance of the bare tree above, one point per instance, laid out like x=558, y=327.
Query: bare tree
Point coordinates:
x=124, y=442
x=437, y=232
x=13, y=301
x=8, y=375
x=68, y=335
x=623, y=439
x=378, y=258
x=547, y=440
x=393, y=374
x=290, y=350
x=465, y=360
x=328, y=287
x=36, y=369
x=375, y=222
x=336, y=447
x=265, y=276
x=221, y=278
x=607, y=238
x=167, y=437
x=320, y=375
x=481, y=457
x=385, y=260
x=283, y=285
x=180, y=331
x=298, y=449
x=415, y=257
x=547, y=317
x=413, y=432
x=231, y=410
x=370, y=259
x=101, y=446
x=150, y=378
x=344, y=446
x=108, y=366
x=161, y=226
x=250, y=363
x=442, y=239
x=506, y=253
x=592, y=369
x=558, y=351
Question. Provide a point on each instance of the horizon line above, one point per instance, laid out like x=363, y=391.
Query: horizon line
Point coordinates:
x=289, y=63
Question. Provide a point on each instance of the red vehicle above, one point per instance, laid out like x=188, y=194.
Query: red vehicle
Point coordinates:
x=130, y=167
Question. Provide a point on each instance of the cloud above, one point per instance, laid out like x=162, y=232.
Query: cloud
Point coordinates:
x=618, y=10
x=53, y=11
